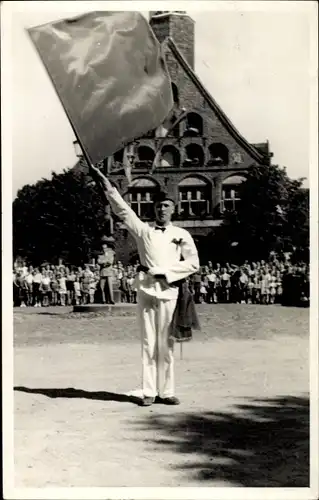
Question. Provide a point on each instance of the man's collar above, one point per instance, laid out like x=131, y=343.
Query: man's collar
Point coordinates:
x=167, y=226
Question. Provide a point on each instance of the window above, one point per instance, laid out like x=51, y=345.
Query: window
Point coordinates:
x=145, y=156
x=219, y=154
x=194, y=125
x=230, y=193
x=193, y=198
x=166, y=130
x=194, y=155
x=118, y=156
x=174, y=132
x=170, y=157
x=141, y=197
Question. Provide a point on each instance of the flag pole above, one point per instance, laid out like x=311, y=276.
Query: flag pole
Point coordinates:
x=159, y=149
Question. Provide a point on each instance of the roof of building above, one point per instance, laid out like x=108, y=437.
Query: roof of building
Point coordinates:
x=259, y=156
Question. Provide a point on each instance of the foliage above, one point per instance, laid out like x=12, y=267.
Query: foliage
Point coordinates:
x=273, y=214
x=62, y=217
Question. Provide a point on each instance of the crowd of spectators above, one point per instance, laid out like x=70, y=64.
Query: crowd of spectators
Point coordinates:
x=53, y=285
x=251, y=283
x=261, y=282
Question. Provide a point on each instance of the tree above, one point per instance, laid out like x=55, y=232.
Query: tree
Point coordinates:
x=59, y=217
x=273, y=214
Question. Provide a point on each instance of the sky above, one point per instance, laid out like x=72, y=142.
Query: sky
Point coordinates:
x=255, y=62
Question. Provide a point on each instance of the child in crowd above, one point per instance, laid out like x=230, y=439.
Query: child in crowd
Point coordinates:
x=29, y=286
x=131, y=289
x=62, y=289
x=45, y=289
x=87, y=276
x=203, y=292
x=37, y=277
x=70, y=278
x=93, y=285
x=77, y=290
x=54, y=290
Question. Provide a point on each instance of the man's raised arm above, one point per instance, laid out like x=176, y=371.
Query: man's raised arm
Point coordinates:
x=119, y=206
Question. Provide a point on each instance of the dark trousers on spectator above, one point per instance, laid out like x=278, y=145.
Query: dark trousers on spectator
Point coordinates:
x=243, y=292
x=224, y=294
x=211, y=293
x=106, y=285
x=36, y=296
x=197, y=293
x=29, y=297
x=46, y=298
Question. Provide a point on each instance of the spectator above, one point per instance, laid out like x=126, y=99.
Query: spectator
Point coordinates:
x=212, y=286
x=224, y=286
x=106, y=261
x=29, y=286
x=70, y=278
x=37, y=278
x=196, y=279
x=62, y=291
x=243, y=285
x=77, y=289
x=131, y=289
x=54, y=284
x=270, y=282
x=87, y=277
x=45, y=289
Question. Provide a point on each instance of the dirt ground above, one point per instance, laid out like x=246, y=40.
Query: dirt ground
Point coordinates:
x=243, y=383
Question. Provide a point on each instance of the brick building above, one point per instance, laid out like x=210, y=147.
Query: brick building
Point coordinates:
x=204, y=158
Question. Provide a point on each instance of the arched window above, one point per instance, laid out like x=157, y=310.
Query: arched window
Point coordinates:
x=175, y=132
x=194, y=125
x=145, y=156
x=118, y=156
x=194, y=197
x=140, y=196
x=194, y=155
x=165, y=128
x=219, y=154
x=230, y=193
x=170, y=157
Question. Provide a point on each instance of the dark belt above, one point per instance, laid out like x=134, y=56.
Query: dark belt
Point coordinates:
x=142, y=268
x=145, y=269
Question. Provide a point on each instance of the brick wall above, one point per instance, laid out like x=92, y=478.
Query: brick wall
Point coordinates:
x=181, y=29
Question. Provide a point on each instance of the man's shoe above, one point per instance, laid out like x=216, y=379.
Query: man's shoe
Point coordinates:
x=147, y=401
x=171, y=401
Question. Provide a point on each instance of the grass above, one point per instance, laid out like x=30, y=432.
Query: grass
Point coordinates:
x=222, y=321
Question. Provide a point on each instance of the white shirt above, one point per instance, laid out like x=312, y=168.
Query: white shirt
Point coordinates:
x=212, y=278
x=29, y=278
x=159, y=251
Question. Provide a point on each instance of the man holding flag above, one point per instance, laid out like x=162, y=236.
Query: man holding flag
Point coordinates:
x=110, y=75
x=168, y=255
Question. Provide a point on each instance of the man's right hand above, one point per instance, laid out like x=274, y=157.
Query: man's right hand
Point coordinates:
x=100, y=178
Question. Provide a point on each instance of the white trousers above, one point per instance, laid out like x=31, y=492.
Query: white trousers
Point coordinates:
x=155, y=316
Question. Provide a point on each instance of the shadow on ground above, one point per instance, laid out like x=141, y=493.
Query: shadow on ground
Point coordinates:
x=262, y=444
x=70, y=392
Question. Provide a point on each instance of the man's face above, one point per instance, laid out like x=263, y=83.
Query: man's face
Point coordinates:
x=164, y=211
